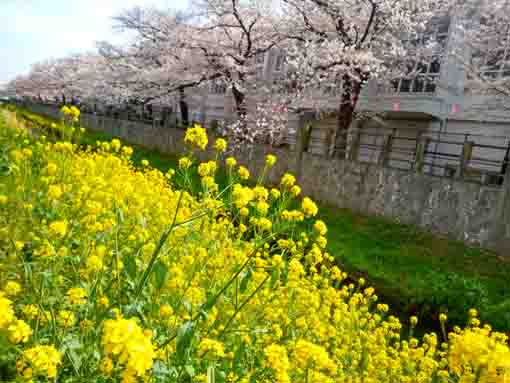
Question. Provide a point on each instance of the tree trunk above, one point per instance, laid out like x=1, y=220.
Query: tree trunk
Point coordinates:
x=337, y=137
x=239, y=99
x=183, y=105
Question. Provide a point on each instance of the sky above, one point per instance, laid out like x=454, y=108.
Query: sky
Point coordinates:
x=34, y=30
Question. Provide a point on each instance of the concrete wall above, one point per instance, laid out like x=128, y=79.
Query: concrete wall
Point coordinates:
x=470, y=212
x=465, y=211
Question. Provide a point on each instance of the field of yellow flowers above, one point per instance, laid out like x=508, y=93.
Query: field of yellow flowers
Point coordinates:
x=112, y=273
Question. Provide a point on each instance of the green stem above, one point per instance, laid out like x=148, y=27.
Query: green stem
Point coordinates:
x=156, y=252
x=245, y=302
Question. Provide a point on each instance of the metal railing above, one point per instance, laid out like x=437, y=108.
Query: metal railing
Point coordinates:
x=472, y=157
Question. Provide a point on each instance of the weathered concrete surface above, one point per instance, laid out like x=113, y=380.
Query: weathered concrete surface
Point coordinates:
x=465, y=211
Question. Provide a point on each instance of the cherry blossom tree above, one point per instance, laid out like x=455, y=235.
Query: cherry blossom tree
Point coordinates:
x=218, y=40
x=65, y=79
x=158, y=61
x=483, y=28
x=266, y=124
x=169, y=54
x=347, y=43
x=231, y=34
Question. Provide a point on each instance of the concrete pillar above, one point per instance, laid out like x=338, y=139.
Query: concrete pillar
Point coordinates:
x=499, y=236
x=353, y=149
x=465, y=157
x=296, y=125
x=384, y=155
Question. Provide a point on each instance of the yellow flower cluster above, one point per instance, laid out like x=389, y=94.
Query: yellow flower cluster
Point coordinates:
x=197, y=137
x=270, y=160
x=40, y=361
x=220, y=145
x=236, y=285
x=126, y=343
x=12, y=288
x=7, y=315
x=71, y=112
x=478, y=354
x=207, y=169
x=77, y=296
x=58, y=228
x=309, y=207
x=19, y=331
x=278, y=361
x=211, y=348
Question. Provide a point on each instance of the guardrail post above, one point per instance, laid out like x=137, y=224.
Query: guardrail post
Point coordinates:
x=465, y=157
x=300, y=122
x=421, y=152
x=384, y=155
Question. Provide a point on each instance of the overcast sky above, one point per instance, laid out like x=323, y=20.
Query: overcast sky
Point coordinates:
x=33, y=30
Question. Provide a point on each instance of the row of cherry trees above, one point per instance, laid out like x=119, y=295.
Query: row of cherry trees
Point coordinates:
x=343, y=43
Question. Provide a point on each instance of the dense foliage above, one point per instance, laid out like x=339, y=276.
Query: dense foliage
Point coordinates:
x=111, y=272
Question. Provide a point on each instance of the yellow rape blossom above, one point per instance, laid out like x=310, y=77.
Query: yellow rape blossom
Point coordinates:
x=55, y=192
x=270, y=160
x=12, y=288
x=124, y=341
x=309, y=207
x=288, y=180
x=76, y=296
x=230, y=162
x=146, y=247
x=277, y=360
x=184, y=163
x=211, y=348
x=30, y=311
x=42, y=361
x=295, y=190
x=19, y=332
x=197, y=137
x=51, y=168
x=244, y=173
x=320, y=227
x=220, y=145
x=58, y=228
x=6, y=311
x=66, y=318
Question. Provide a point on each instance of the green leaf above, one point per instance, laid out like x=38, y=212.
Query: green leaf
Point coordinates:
x=245, y=280
x=160, y=274
x=220, y=376
x=190, y=370
x=184, y=337
x=120, y=215
x=130, y=265
x=211, y=301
